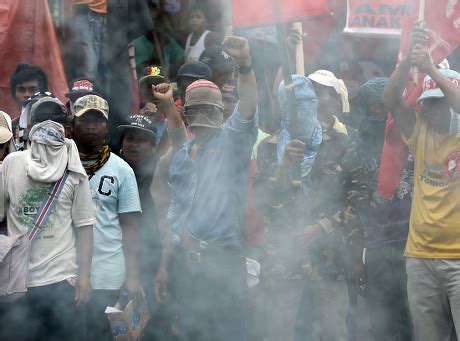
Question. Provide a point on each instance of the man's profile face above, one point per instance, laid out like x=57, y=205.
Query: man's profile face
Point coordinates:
x=25, y=90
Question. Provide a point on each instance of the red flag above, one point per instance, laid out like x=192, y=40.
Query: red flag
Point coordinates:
x=263, y=12
x=27, y=35
x=442, y=18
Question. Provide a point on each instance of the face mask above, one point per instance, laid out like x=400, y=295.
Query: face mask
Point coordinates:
x=204, y=119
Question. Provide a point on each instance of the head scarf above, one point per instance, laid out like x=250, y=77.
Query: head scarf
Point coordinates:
x=50, y=153
x=371, y=130
x=309, y=128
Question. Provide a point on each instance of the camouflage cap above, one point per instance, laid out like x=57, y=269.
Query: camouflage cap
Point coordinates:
x=91, y=102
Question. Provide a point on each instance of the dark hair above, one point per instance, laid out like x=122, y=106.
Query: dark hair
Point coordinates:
x=198, y=8
x=28, y=72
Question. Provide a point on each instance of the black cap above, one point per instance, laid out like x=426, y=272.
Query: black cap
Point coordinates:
x=83, y=86
x=153, y=74
x=140, y=123
x=217, y=59
x=198, y=70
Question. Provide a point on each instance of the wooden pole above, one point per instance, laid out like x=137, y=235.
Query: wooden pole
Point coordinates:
x=287, y=75
x=290, y=94
x=226, y=17
x=299, y=59
x=421, y=16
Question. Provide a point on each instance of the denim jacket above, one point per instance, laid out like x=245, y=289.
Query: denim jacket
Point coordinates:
x=208, y=194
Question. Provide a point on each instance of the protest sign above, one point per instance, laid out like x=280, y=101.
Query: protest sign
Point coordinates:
x=377, y=17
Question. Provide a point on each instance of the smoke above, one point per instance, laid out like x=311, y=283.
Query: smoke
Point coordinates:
x=313, y=285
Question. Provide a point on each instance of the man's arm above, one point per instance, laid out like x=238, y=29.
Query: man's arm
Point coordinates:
x=393, y=99
x=421, y=58
x=130, y=240
x=393, y=93
x=85, y=248
x=161, y=191
x=162, y=276
x=292, y=156
x=238, y=48
x=176, y=128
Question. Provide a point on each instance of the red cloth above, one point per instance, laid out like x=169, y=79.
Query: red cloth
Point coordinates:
x=444, y=39
x=27, y=35
x=262, y=12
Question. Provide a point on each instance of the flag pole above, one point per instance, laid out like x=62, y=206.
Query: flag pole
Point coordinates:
x=287, y=76
x=299, y=58
x=421, y=17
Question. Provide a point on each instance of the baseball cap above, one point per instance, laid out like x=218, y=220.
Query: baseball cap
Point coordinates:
x=81, y=87
x=198, y=70
x=140, y=123
x=91, y=102
x=217, y=59
x=432, y=90
x=5, y=127
x=35, y=112
x=203, y=92
x=154, y=74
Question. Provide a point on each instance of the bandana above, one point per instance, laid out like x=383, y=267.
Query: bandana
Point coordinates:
x=93, y=162
x=371, y=130
x=51, y=153
x=202, y=120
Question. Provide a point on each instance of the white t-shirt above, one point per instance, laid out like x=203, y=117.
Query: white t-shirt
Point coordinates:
x=114, y=191
x=53, y=254
x=193, y=52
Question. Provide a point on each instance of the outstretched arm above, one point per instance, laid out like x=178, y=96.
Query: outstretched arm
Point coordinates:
x=422, y=59
x=238, y=48
x=393, y=93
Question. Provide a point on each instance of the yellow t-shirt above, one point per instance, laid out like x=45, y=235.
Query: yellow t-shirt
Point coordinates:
x=99, y=6
x=434, y=230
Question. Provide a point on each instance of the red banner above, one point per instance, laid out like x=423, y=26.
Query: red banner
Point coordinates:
x=255, y=13
x=442, y=18
x=27, y=35
x=377, y=17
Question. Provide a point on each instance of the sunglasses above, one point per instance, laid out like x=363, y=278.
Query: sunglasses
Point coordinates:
x=58, y=117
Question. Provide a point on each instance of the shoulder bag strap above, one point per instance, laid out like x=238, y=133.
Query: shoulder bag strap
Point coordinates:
x=47, y=205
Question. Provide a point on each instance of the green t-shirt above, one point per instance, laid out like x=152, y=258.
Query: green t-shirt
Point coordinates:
x=145, y=51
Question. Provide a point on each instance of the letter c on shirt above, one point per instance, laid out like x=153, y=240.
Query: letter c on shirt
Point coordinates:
x=101, y=184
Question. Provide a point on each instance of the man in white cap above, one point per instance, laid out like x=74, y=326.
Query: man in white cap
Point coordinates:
x=6, y=146
x=6, y=136
x=324, y=229
x=58, y=285
x=433, y=245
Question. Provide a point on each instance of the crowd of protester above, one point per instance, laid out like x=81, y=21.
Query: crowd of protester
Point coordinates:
x=229, y=229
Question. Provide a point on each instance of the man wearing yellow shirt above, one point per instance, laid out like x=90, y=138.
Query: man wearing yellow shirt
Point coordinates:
x=433, y=245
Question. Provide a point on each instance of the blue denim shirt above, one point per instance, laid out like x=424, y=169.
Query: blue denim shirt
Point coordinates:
x=208, y=194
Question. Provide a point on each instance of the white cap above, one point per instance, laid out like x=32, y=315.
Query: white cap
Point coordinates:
x=5, y=127
x=327, y=78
